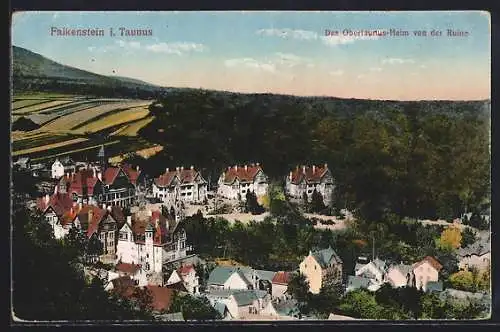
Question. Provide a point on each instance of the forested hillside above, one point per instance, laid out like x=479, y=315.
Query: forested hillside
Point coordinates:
x=422, y=159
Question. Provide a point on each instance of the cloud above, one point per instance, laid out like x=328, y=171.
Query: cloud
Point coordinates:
x=360, y=76
x=423, y=66
x=337, y=72
x=375, y=69
x=397, y=61
x=178, y=48
x=291, y=60
x=289, y=33
x=250, y=63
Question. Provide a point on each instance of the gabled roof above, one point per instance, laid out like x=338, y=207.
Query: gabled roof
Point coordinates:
x=308, y=173
x=156, y=223
x=78, y=182
x=60, y=203
x=221, y=274
x=117, y=214
x=184, y=176
x=265, y=275
x=132, y=174
x=325, y=257
x=244, y=297
x=242, y=173
x=477, y=249
x=282, y=278
x=402, y=268
x=432, y=261
x=221, y=308
x=98, y=215
x=179, y=286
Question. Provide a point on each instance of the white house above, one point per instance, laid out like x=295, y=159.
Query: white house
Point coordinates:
x=374, y=271
x=425, y=271
x=187, y=275
x=59, y=211
x=280, y=284
x=400, y=275
x=61, y=167
x=230, y=278
x=152, y=242
x=306, y=179
x=186, y=185
x=235, y=182
x=243, y=304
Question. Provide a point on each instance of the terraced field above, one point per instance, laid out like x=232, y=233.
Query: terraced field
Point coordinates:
x=76, y=125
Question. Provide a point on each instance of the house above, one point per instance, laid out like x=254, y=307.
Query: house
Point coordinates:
x=61, y=167
x=400, y=275
x=114, y=186
x=151, y=242
x=358, y=282
x=38, y=170
x=280, y=284
x=59, y=211
x=426, y=270
x=320, y=266
x=94, y=221
x=243, y=304
x=223, y=310
x=187, y=276
x=22, y=163
x=282, y=310
x=236, y=181
x=306, y=179
x=230, y=278
x=476, y=255
x=186, y=185
x=374, y=270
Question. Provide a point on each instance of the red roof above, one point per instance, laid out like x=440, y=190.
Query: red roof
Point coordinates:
x=127, y=268
x=76, y=182
x=432, y=261
x=124, y=286
x=243, y=173
x=159, y=224
x=310, y=174
x=132, y=173
x=60, y=203
x=282, y=277
x=97, y=216
x=110, y=174
x=184, y=176
x=161, y=297
x=184, y=270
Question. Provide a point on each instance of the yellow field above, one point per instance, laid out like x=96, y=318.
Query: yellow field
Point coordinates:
x=48, y=146
x=65, y=123
x=133, y=128
x=26, y=102
x=74, y=151
x=20, y=135
x=114, y=119
x=37, y=107
x=145, y=153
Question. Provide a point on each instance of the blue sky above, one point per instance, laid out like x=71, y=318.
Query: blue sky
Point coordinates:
x=281, y=52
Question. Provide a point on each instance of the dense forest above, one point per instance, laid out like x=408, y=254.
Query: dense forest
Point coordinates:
x=422, y=159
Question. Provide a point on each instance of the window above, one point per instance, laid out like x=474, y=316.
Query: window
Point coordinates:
x=123, y=236
x=315, y=267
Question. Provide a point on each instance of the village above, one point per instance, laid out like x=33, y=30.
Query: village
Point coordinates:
x=139, y=225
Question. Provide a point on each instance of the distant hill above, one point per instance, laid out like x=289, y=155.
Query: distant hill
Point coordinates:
x=32, y=71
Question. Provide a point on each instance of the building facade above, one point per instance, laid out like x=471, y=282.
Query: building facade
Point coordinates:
x=186, y=185
x=306, y=179
x=425, y=271
x=320, y=267
x=235, y=182
x=61, y=167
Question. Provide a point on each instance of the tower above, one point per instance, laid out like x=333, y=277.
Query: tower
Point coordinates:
x=101, y=156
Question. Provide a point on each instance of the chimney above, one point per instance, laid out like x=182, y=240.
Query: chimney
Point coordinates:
x=99, y=176
x=314, y=169
x=67, y=175
x=182, y=168
x=90, y=215
x=290, y=176
x=129, y=220
x=192, y=167
x=236, y=168
x=94, y=172
x=246, y=168
x=55, y=190
x=258, y=164
x=80, y=205
x=326, y=165
x=109, y=208
x=304, y=169
x=229, y=168
x=137, y=168
x=47, y=199
x=167, y=170
x=177, y=168
x=104, y=206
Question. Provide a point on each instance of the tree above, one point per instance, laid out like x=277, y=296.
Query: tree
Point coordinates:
x=468, y=237
x=431, y=306
x=360, y=303
x=251, y=204
x=298, y=287
x=463, y=280
x=317, y=204
x=194, y=308
x=450, y=238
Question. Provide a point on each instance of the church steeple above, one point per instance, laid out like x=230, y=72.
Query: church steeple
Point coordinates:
x=102, y=157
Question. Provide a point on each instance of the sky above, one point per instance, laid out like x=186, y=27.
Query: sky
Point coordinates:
x=277, y=52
